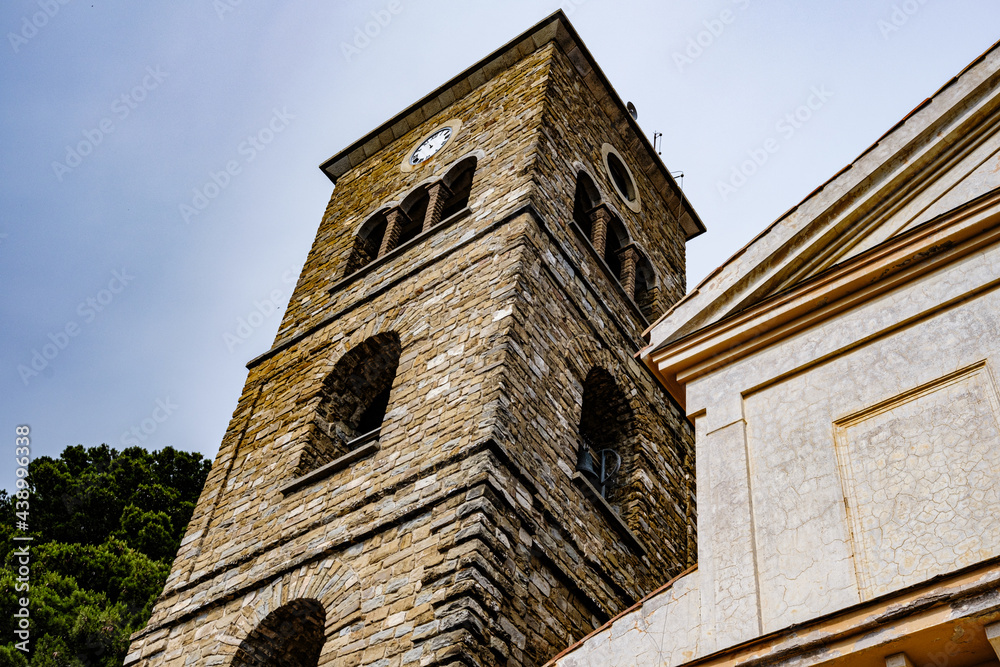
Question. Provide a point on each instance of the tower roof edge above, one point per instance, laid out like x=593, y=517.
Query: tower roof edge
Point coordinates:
x=556, y=27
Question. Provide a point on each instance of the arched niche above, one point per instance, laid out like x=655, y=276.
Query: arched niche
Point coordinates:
x=607, y=422
x=290, y=636
x=353, y=400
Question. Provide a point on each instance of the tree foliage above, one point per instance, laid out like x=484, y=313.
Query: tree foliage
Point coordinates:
x=106, y=526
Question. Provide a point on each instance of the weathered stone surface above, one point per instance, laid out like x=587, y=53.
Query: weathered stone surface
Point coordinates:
x=841, y=375
x=461, y=539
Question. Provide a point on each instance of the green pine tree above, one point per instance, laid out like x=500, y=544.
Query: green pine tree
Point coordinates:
x=106, y=526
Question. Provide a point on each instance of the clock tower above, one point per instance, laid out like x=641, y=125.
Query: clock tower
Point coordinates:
x=450, y=456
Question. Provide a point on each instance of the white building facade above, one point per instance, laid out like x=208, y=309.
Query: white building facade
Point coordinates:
x=841, y=372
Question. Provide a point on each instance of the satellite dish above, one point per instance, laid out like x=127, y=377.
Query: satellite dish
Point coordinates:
x=632, y=111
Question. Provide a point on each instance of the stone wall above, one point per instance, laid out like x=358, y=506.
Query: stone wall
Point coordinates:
x=851, y=465
x=461, y=538
x=421, y=294
x=573, y=132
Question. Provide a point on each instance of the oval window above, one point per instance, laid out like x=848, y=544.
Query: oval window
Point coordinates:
x=621, y=177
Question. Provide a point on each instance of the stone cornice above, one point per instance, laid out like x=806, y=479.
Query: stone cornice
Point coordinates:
x=555, y=28
x=913, y=619
x=857, y=280
x=835, y=217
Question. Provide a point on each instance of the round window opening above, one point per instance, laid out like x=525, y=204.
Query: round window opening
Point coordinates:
x=621, y=177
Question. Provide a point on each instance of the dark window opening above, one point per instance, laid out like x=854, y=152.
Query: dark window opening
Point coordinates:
x=460, y=183
x=290, y=636
x=617, y=239
x=413, y=223
x=646, y=291
x=413, y=216
x=367, y=243
x=353, y=401
x=606, y=423
x=373, y=415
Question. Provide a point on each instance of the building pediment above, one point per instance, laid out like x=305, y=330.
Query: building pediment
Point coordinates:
x=858, y=278
x=944, y=153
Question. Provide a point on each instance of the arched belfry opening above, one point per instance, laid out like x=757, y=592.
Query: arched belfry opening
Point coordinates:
x=584, y=201
x=420, y=211
x=458, y=184
x=414, y=215
x=611, y=242
x=367, y=243
x=646, y=292
x=353, y=401
x=617, y=241
x=607, y=427
x=290, y=636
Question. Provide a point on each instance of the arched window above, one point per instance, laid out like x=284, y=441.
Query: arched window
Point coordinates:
x=421, y=210
x=610, y=241
x=353, y=401
x=646, y=291
x=606, y=233
x=584, y=201
x=290, y=636
x=414, y=209
x=607, y=428
x=458, y=180
x=617, y=239
x=367, y=242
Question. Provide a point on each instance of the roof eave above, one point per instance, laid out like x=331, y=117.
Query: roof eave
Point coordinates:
x=555, y=27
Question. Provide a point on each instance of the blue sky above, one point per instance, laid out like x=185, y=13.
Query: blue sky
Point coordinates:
x=160, y=187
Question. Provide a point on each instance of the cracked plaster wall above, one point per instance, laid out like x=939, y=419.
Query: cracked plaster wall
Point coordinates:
x=891, y=406
x=881, y=408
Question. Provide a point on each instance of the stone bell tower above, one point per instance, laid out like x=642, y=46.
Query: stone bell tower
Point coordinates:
x=405, y=478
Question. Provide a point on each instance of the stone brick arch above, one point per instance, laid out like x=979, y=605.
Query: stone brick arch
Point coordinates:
x=584, y=353
x=292, y=635
x=608, y=235
x=412, y=198
x=608, y=421
x=645, y=286
x=314, y=603
x=419, y=210
x=352, y=400
x=458, y=180
x=478, y=155
x=580, y=169
x=594, y=372
x=586, y=197
x=414, y=207
x=367, y=241
x=617, y=240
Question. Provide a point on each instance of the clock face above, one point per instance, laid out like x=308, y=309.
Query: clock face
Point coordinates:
x=430, y=146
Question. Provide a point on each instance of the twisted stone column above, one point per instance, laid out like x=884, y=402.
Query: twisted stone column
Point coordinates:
x=629, y=257
x=439, y=194
x=600, y=218
x=393, y=228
